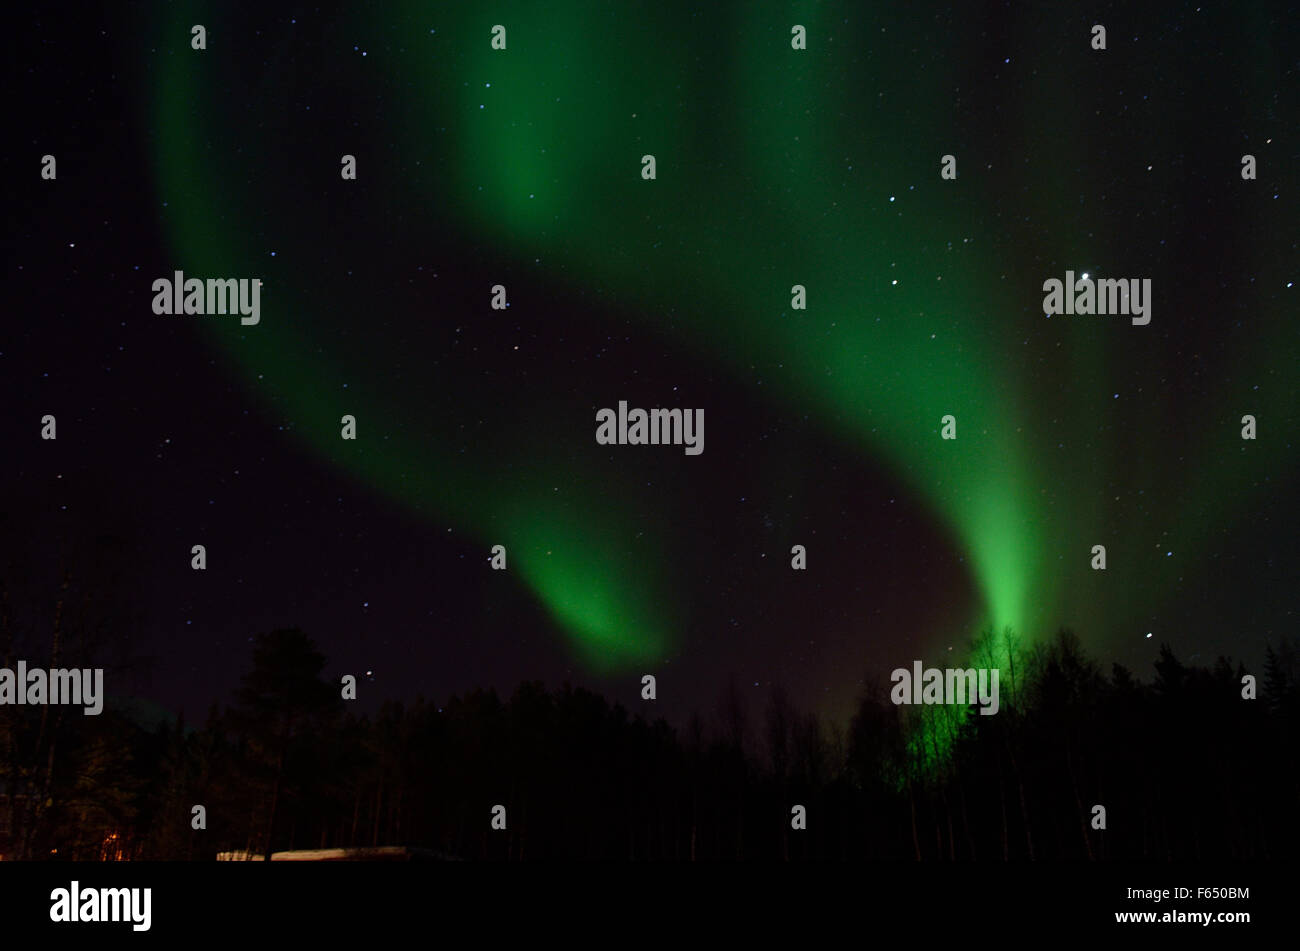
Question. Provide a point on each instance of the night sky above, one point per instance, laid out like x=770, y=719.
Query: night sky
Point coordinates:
x=475, y=427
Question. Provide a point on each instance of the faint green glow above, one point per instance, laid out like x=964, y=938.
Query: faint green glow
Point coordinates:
x=577, y=555
x=742, y=210
x=774, y=168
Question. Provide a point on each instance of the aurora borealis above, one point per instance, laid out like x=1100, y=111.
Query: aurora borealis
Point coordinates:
x=775, y=168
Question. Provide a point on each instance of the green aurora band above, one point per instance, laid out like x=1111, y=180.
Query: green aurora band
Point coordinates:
x=774, y=168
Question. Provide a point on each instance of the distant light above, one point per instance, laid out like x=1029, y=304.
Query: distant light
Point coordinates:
x=1148, y=633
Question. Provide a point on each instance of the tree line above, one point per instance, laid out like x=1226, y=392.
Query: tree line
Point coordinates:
x=1183, y=766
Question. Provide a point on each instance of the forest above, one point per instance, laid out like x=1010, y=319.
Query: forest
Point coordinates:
x=1184, y=765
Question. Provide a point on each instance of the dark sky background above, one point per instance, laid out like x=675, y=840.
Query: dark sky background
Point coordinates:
x=168, y=437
